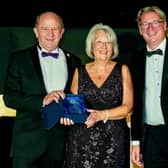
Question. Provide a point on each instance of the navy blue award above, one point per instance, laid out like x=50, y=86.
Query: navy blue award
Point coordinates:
x=74, y=108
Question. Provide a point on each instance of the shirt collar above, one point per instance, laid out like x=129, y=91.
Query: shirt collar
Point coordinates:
x=162, y=46
x=40, y=49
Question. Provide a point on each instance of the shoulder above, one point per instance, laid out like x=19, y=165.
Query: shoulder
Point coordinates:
x=22, y=54
x=80, y=68
x=121, y=67
x=71, y=56
x=25, y=50
x=139, y=56
x=125, y=68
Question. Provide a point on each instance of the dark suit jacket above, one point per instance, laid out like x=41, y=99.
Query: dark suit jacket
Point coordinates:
x=24, y=91
x=138, y=75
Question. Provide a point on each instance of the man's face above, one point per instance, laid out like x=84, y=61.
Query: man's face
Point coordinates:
x=49, y=31
x=152, y=28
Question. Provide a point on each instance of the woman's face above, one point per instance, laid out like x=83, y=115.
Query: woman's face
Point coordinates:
x=102, y=48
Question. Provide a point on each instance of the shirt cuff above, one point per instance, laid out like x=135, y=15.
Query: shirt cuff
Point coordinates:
x=135, y=142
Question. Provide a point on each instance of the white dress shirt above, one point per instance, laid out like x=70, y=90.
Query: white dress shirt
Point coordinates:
x=153, y=82
x=54, y=70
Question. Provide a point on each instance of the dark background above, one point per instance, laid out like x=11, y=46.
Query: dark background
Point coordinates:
x=77, y=13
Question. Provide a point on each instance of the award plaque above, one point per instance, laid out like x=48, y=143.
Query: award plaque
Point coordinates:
x=74, y=108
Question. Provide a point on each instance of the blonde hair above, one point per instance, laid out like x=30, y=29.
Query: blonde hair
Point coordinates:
x=155, y=9
x=111, y=37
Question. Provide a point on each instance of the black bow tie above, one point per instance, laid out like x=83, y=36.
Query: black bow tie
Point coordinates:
x=158, y=52
x=48, y=54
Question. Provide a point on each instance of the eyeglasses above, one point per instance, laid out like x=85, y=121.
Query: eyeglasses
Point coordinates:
x=154, y=24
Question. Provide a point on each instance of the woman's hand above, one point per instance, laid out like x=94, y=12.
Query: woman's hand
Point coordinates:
x=94, y=117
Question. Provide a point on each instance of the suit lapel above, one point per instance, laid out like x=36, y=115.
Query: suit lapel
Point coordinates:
x=36, y=63
x=68, y=60
x=165, y=69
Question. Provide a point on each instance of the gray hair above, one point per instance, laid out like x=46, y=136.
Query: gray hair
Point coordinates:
x=111, y=37
x=155, y=9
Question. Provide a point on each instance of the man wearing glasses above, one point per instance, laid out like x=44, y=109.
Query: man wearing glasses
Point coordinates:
x=150, y=78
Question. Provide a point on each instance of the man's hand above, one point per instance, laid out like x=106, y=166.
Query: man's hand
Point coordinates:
x=53, y=96
x=136, y=156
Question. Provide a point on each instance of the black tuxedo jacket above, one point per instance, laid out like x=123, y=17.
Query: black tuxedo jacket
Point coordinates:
x=24, y=91
x=138, y=75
